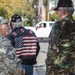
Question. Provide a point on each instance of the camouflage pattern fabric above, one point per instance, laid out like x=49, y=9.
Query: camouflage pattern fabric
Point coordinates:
x=9, y=64
x=61, y=51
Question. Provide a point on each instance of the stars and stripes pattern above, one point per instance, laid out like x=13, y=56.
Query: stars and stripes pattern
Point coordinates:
x=27, y=46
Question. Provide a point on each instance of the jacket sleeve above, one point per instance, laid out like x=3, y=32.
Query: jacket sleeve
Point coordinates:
x=11, y=38
x=52, y=48
x=9, y=63
x=38, y=48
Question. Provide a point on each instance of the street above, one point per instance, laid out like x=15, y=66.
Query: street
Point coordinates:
x=40, y=67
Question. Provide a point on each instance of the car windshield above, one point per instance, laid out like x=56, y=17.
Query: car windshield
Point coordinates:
x=51, y=24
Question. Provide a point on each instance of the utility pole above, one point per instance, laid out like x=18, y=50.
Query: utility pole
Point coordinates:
x=23, y=10
x=40, y=4
x=48, y=1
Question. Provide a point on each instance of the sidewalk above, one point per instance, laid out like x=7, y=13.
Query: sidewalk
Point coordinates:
x=40, y=67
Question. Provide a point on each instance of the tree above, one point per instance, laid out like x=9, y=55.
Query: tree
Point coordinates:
x=12, y=6
x=17, y=6
x=29, y=11
x=7, y=5
x=24, y=8
x=3, y=11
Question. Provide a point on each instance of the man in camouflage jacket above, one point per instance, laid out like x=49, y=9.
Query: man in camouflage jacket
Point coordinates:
x=61, y=51
x=9, y=64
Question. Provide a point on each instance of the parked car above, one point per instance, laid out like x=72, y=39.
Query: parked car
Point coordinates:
x=42, y=29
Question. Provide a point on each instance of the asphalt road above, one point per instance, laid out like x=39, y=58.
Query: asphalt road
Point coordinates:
x=40, y=67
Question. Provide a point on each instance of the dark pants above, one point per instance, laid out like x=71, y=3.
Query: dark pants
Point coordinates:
x=28, y=69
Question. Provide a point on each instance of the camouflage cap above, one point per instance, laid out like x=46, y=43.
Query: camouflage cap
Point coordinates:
x=3, y=21
x=64, y=3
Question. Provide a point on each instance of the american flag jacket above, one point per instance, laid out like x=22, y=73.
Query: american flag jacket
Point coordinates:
x=26, y=44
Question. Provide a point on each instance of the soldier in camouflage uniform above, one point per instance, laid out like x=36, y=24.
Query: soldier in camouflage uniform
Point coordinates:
x=61, y=51
x=9, y=64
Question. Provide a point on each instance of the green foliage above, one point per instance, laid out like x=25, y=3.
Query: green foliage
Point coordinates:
x=17, y=6
x=12, y=6
x=25, y=8
x=26, y=23
x=3, y=11
x=29, y=10
x=74, y=17
x=35, y=2
x=53, y=17
x=45, y=2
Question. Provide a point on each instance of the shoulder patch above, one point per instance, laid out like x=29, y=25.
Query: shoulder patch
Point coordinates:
x=30, y=32
x=14, y=34
x=22, y=30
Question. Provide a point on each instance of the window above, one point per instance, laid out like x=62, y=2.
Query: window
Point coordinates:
x=51, y=24
x=42, y=25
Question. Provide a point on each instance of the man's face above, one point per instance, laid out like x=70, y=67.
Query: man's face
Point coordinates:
x=59, y=12
x=5, y=29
